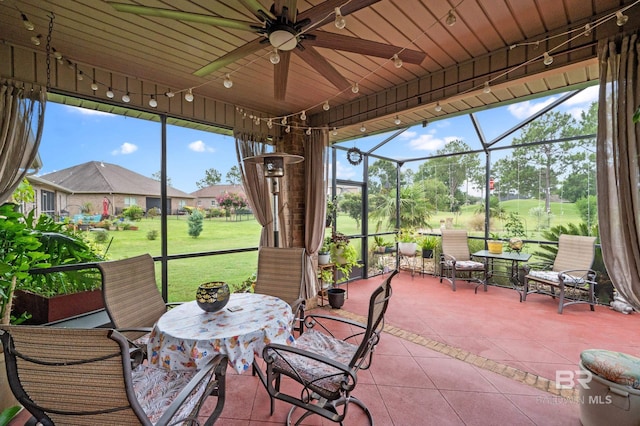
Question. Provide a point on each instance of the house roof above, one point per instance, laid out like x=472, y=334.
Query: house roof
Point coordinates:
x=97, y=177
x=213, y=191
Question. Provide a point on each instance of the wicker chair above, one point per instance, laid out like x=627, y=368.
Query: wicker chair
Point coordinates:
x=323, y=367
x=456, y=263
x=131, y=296
x=281, y=274
x=570, y=273
x=68, y=376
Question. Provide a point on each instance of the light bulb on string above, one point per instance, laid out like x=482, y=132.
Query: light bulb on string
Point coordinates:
x=340, y=22
x=270, y=123
x=152, y=102
x=80, y=76
x=287, y=129
x=487, y=88
x=110, y=93
x=355, y=88
x=126, y=98
x=27, y=24
x=308, y=132
x=257, y=121
x=451, y=18
x=326, y=106
x=284, y=121
x=303, y=116
x=587, y=29
x=274, y=57
x=94, y=86
x=548, y=59
x=169, y=94
x=189, y=95
x=36, y=39
x=227, y=81
x=363, y=129
x=621, y=19
x=334, y=132
x=397, y=62
x=438, y=107
x=397, y=121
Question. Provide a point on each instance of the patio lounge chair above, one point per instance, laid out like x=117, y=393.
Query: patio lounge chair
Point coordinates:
x=71, y=376
x=324, y=367
x=131, y=296
x=456, y=263
x=570, y=273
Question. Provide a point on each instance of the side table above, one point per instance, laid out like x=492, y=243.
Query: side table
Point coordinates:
x=322, y=293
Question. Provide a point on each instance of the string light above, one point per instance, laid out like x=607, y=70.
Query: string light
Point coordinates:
x=335, y=131
x=303, y=116
x=189, y=95
x=169, y=94
x=287, y=129
x=438, y=107
x=94, y=86
x=269, y=123
x=587, y=29
x=308, y=132
x=487, y=88
x=355, y=88
x=274, y=57
x=326, y=106
x=451, y=18
x=397, y=121
x=27, y=24
x=152, y=102
x=397, y=62
x=110, y=93
x=80, y=76
x=621, y=19
x=363, y=129
x=340, y=22
x=227, y=82
x=548, y=59
x=36, y=39
x=284, y=121
x=126, y=98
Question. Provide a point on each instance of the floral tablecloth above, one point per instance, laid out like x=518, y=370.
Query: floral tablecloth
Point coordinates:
x=187, y=337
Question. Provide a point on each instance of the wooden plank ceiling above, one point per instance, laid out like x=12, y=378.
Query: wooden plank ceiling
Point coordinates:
x=501, y=41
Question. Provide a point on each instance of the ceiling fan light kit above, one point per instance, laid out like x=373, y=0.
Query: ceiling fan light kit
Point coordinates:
x=283, y=37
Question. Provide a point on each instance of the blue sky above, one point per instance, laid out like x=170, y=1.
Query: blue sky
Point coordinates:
x=75, y=135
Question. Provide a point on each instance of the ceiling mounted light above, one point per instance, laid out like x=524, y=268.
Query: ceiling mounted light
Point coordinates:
x=94, y=86
x=283, y=37
x=169, y=94
x=274, y=57
x=621, y=19
x=487, y=88
x=36, y=39
x=326, y=106
x=126, y=98
x=189, y=95
x=152, y=102
x=438, y=107
x=227, y=82
x=451, y=18
x=110, y=93
x=397, y=121
x=340, y=22
x=355, y=88
x=27, y=24
x=548, y=59
x=303, y=116
x=397, y=62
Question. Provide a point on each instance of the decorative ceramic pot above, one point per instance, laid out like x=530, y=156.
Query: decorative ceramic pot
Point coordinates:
x=515, y=244
x=494, y=246
x=212, y=296
x=336, y=297
x=324, y=258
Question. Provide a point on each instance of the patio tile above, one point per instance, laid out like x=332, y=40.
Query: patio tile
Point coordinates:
x=427, y=407
x=453, y=374
x=479, y=409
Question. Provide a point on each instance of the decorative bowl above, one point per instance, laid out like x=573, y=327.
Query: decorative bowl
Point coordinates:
x=212, y=296
x=515, y=244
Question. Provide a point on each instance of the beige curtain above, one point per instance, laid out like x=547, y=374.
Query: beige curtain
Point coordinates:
x=255, y=185
x=315, y=202
x=21, y=122
x=618, y=146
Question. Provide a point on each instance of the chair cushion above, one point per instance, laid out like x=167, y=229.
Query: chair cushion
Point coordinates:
x=462, y=265
x=616, y=367
x=157, y=388
x=554, y=277
x=326, y=379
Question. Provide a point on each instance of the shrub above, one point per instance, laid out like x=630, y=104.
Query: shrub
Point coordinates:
x=101, y=236
x=133, y=213
x=153, y=212
x=152, y=235
x=195, y=222
x=476, y=222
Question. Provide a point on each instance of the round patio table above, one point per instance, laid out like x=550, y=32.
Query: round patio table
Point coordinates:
x=186, y=337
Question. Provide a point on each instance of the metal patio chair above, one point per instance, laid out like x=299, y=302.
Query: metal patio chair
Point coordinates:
x=72, y=376
x=324, y=367
x=570, y=274
x=456, y=262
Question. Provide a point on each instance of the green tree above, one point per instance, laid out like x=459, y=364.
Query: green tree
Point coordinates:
x=156, y=176
x=212, y=177
x=414, y=208
x=234, y=176
x=351, y=203
x=195, y=223
x=24, y=193
x=381, y=176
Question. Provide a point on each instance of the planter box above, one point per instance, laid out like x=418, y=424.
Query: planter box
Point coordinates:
x=44, y=310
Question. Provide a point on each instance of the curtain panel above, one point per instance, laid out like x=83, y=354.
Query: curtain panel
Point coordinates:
x=21, y=123
x=618, y=147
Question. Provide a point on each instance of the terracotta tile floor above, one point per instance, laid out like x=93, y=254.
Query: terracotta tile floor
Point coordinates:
x=459, y=358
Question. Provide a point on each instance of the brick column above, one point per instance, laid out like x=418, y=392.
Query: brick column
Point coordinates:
x=293, y=143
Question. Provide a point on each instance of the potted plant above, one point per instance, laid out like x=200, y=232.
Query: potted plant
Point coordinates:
x=343, y=254
x=494, y=245
x=332, y=208
x=428, y=244
x=326, y=278
x=407, y=242
x=324, y=254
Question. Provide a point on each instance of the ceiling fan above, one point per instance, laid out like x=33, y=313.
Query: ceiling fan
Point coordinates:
x=281, y=27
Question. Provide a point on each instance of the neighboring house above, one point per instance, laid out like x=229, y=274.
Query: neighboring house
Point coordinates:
x=112, y=188
x=207, y=198
x=49, y=198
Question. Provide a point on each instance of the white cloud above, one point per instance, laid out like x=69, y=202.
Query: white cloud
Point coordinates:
x=409, y=134
x=125, y=148
x=343, y=172
x=587, y=96
x=428, y=142
x=526, y=109
x=199, y=146
x=85, y=111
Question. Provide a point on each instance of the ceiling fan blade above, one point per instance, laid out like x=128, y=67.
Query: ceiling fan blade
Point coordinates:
x=185, y=16
x=324, y=11
x=231, y=57
x=364, y=47
x=324, y=68
x=258, y=10
x=290, y=5
x=281, y=75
